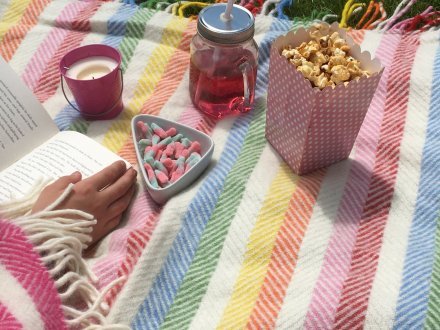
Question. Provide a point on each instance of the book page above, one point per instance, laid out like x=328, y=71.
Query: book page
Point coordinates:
x=24, y=123
x=63, y=154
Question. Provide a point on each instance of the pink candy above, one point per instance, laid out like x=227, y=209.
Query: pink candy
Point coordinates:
x=140, y=125
x=169, y=151
x=151, y=175
x=169, y=164
x=184, y=153
x=194, y=147
x=171, y=132
x=161, y=177
x=178, y=149
x=169, y=155
x=158, y=155
x=176, y=175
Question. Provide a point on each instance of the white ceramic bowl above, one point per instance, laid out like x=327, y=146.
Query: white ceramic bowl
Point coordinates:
x=161, y=195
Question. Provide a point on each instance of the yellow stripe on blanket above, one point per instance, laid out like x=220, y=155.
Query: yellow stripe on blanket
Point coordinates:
x=12, y=16
x=153, y=72
x=259, y=250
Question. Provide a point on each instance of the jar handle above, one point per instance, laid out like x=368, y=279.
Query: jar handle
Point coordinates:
x=248, y=80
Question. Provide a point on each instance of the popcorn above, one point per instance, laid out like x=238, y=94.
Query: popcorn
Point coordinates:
x=324, y=60
x=339, y=73
x=321, y=81
x=308, y=123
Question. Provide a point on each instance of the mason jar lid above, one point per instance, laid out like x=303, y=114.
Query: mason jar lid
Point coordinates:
x=212, y=26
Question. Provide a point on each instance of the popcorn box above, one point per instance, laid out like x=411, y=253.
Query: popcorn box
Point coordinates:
x=312, y=128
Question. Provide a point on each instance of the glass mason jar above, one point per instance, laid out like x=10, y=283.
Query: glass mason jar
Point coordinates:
x=223, y=65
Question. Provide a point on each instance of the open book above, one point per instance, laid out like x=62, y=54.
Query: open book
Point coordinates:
x=31, y=146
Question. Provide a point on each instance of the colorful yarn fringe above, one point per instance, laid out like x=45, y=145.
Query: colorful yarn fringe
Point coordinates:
x=373, y=16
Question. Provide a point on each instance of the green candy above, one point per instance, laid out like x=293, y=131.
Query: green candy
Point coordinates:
x=159, y=166
x=143, y=144
x=149, y=159
x=186, y=142
x=166, y=141
x=155, y=139
x=193, y=159
x=177, y=137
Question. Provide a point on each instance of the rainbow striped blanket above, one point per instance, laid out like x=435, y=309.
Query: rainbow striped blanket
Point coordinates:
x=250, y=244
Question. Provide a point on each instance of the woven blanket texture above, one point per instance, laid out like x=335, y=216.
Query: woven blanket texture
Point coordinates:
x=25, y=302
x=250, y=244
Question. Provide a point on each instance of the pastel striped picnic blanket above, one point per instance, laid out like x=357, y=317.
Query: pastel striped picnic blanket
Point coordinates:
x=250, y=244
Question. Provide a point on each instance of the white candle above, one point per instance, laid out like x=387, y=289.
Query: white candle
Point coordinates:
x=92, y=67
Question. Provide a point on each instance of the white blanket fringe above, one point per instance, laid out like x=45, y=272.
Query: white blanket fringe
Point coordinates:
x=60, y=237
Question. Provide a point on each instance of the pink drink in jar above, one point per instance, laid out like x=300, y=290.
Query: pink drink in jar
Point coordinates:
x=223, y=64
x=220, y=90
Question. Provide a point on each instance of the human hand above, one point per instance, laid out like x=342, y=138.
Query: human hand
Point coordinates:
x=105, y=195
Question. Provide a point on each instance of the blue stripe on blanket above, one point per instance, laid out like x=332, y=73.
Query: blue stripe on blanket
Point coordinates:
x=117, y=25
x=414, y=292
x=153, y=310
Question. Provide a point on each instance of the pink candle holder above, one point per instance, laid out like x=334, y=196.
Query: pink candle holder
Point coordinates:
x=94, y=76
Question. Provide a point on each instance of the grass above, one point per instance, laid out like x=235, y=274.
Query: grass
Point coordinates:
x=304, y=8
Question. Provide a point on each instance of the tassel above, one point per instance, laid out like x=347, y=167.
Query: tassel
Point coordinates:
x=280, y=8
x=60, y=237
x=266, y=5
x=402, y=24
x=396, y=11
x=399, y=12
x=21, y=206
x=383, y=16
x=329, y=17
x=354, y=8
x=343, y=22
x=373, y=17
x=427, y=18
x=189, y=5
x=366, y=14
x=428, y=22
x=154, y=4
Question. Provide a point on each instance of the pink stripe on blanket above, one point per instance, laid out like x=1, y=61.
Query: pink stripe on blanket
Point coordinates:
x=17, y=255
x=196, y=119
x=338, y=256
x=138, y=217
x=191, y=117
x=51, y=43
x=357, y=285
x=7, y=320
x=49, y=80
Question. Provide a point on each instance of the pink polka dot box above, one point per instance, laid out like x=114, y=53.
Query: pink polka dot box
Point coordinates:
x=311, y=127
